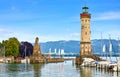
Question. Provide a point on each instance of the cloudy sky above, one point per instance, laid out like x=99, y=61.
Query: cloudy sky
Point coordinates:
x=53, y=20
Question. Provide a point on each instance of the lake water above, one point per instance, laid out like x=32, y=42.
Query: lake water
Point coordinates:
x=63, y=69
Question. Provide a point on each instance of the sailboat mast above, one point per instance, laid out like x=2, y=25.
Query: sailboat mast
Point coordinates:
x=119, y=46
x=110, y=48
x=101, y=43
x=25, y=51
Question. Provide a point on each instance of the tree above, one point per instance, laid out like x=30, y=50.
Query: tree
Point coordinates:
x=26, y=49
x=1, y=50
x=11, y=47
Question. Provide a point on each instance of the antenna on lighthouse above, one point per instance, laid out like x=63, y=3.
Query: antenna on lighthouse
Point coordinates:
x=85, y=3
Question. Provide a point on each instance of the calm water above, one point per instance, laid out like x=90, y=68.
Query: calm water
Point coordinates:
x=65, y=69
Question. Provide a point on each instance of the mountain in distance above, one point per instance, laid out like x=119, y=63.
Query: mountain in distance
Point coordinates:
x=74, y=46
x=68, y=46
x=97, y=45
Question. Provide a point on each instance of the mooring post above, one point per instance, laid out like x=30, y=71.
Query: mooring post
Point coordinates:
x=117, y=71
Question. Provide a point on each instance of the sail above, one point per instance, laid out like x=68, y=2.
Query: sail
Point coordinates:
x=119, y=45
x=110, y=49
x=49, y=50
x=104, y=48
x=59, y=52
x=62, y=51
x=55, y=51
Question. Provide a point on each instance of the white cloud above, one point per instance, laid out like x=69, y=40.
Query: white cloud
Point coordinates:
x=107, y=16
x=75, y=34
x=72, y=36
x=74, y=18
x=1, y=30
x=5, y=32
x=42, y=38
x=113, y=32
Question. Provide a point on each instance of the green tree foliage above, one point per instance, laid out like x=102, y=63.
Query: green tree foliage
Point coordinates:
x=1, y=49
x=1, y=45
x=11, y=47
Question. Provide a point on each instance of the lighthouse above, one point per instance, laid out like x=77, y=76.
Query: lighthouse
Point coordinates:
x=85, y=43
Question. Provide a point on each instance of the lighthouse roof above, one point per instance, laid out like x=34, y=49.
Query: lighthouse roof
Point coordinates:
x=85, y=7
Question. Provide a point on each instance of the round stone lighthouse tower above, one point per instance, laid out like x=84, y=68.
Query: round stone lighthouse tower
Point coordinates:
x=85, y=44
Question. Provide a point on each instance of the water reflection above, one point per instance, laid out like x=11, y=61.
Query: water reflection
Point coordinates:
x=85, y=72
x=64, y=69
x=37, y=69
x=53, y=70
x=12, y=68
x=95, y=72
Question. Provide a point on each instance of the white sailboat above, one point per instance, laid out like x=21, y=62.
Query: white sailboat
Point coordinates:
x=113, y=64
x=103, y=64
x=104, y=49
x=55, y=51
x=50, y=51
x=110, y=48
x=107, y=63
x=119, y=47
x=117, y=67
x=62, y=51
x=59, y=53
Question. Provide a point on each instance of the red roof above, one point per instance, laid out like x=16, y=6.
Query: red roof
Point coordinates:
x=85, y=16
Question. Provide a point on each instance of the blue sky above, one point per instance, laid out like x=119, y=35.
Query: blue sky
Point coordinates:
x=53, y=20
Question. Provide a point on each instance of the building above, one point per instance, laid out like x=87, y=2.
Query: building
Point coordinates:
x=36, y=48
x=85, y=44
x=37, y=56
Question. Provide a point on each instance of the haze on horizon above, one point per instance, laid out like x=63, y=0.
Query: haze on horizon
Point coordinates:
x=53, y=20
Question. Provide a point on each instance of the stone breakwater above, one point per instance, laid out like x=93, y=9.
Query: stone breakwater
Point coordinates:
x=79, y=59
x=49, y=60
